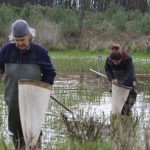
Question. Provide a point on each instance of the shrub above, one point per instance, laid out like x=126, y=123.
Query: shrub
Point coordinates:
x=119, y=20
x=7, y=15
x=94, y=19
x=31, y=13
x=111, y=10
x=144, y=24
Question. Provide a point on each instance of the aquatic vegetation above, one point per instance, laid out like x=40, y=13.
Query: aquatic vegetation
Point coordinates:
x=84, y=93
x=74, y=61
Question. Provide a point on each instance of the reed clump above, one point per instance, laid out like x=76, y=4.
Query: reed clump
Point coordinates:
x=85, y=129
x=119, y=130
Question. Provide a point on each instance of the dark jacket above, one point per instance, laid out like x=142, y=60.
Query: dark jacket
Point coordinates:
x=36, y=54
x=126, y=67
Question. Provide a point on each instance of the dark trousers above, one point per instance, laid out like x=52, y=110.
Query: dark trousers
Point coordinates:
x=14, y=125
x=126, y=110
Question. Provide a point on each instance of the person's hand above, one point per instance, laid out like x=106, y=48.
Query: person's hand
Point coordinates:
x=115, y=82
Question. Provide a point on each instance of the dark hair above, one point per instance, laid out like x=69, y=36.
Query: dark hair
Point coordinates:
x=115, y=55
x=115, y=47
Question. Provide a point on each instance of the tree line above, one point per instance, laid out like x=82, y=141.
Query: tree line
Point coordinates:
x=89, y=5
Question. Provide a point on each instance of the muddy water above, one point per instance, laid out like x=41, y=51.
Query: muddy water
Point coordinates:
x=85, y=95
x=88, y=95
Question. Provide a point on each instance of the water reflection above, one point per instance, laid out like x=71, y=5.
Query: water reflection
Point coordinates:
x=86, y=94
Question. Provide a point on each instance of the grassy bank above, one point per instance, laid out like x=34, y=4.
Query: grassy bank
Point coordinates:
x=81, y=61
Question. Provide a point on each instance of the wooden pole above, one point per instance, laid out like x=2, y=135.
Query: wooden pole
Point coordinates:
x=98, y=73
x=52, y=97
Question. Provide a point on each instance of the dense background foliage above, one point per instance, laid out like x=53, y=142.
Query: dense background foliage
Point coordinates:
x=82, y=24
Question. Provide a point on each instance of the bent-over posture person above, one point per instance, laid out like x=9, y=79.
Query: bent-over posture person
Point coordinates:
x=120, y=71
x=22, y=59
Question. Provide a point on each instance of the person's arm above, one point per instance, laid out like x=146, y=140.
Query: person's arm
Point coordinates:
x=108, y=71
x=48, y=71
x=130, y=73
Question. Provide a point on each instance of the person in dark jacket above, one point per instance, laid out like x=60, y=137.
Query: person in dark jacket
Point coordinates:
x=119, y=70
x=22, y=59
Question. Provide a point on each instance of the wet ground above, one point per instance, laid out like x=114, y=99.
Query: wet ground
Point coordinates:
x=85, y=95
x=88, y=95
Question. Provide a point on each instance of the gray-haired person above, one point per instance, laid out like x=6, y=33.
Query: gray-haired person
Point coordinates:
x=22, y=59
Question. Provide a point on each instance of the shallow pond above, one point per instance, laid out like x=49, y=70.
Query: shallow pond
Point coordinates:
x=88, y=95
x=85, y=95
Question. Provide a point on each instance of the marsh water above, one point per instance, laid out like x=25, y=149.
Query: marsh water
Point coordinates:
x=87, y=95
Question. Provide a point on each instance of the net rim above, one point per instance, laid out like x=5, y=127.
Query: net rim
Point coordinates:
x=36, y=83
